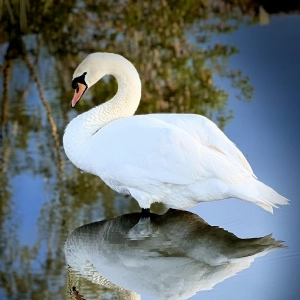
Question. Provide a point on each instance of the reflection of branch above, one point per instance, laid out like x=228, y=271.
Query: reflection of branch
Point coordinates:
x=49, y=116
x=6, y=139
x=7, y=68
x=6, y=150
x=60, y=163
x=9, y=9
x=24, y=5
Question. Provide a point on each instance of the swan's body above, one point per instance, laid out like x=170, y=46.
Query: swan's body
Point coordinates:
x=177, y=159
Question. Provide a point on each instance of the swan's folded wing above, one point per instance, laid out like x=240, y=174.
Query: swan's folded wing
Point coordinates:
x=207, y=133
x=146, y=149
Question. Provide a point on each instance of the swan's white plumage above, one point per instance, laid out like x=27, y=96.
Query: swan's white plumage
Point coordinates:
x=177, y=159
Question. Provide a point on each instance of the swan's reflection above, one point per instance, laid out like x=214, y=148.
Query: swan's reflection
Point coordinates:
x=172, y=256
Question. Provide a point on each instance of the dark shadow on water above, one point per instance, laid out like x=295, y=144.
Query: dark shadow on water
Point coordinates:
x=170, y=256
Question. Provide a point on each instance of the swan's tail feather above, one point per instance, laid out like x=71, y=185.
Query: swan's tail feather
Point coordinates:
x=261, y=194
x=266, y=207
x=269, y=197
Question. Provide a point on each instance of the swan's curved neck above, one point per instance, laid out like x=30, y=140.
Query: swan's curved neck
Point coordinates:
x=123, y=104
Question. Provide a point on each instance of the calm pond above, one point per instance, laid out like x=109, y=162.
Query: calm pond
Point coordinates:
x=237, y=64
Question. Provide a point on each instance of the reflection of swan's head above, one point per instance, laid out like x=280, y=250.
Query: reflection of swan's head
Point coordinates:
x=180, y=254
x=93, y=68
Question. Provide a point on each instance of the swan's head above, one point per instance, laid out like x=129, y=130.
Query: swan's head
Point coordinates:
x=90, y=70
x=80, y=86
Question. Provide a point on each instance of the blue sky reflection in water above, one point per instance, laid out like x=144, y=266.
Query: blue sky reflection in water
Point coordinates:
x=266, y=130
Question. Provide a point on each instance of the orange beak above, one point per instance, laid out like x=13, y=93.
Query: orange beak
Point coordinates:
x=78, y=94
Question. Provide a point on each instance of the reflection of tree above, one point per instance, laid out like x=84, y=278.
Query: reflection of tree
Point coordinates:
x=168, y=44
x=175, y=75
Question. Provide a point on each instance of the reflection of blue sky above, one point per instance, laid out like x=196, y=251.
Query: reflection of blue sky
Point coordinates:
x=267, y=131
x=28, y=190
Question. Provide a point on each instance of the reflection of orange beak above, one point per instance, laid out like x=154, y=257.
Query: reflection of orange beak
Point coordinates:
x=78, y=93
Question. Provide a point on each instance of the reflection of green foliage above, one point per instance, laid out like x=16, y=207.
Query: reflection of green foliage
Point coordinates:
x=175, y=76
x=46, y=40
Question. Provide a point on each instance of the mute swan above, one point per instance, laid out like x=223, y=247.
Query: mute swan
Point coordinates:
x=177, y=159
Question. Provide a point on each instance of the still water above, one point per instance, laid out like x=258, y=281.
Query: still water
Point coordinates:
x=206, y=61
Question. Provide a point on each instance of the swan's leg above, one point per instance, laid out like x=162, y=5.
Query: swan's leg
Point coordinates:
x=145, y=213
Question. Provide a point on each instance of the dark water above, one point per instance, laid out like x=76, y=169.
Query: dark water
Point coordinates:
x=187, y=57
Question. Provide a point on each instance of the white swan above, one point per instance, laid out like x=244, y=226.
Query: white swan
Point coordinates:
x=177, y=159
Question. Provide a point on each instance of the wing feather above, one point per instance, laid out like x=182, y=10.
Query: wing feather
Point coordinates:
x=150, y=151
x=207, y=133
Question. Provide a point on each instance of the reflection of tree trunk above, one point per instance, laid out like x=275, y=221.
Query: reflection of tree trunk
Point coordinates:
x=8, y=243
x=24, y=5
x=7, y=69
x=51, y=122
x=56, y=224
x=9, y=10
x=4, y=140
